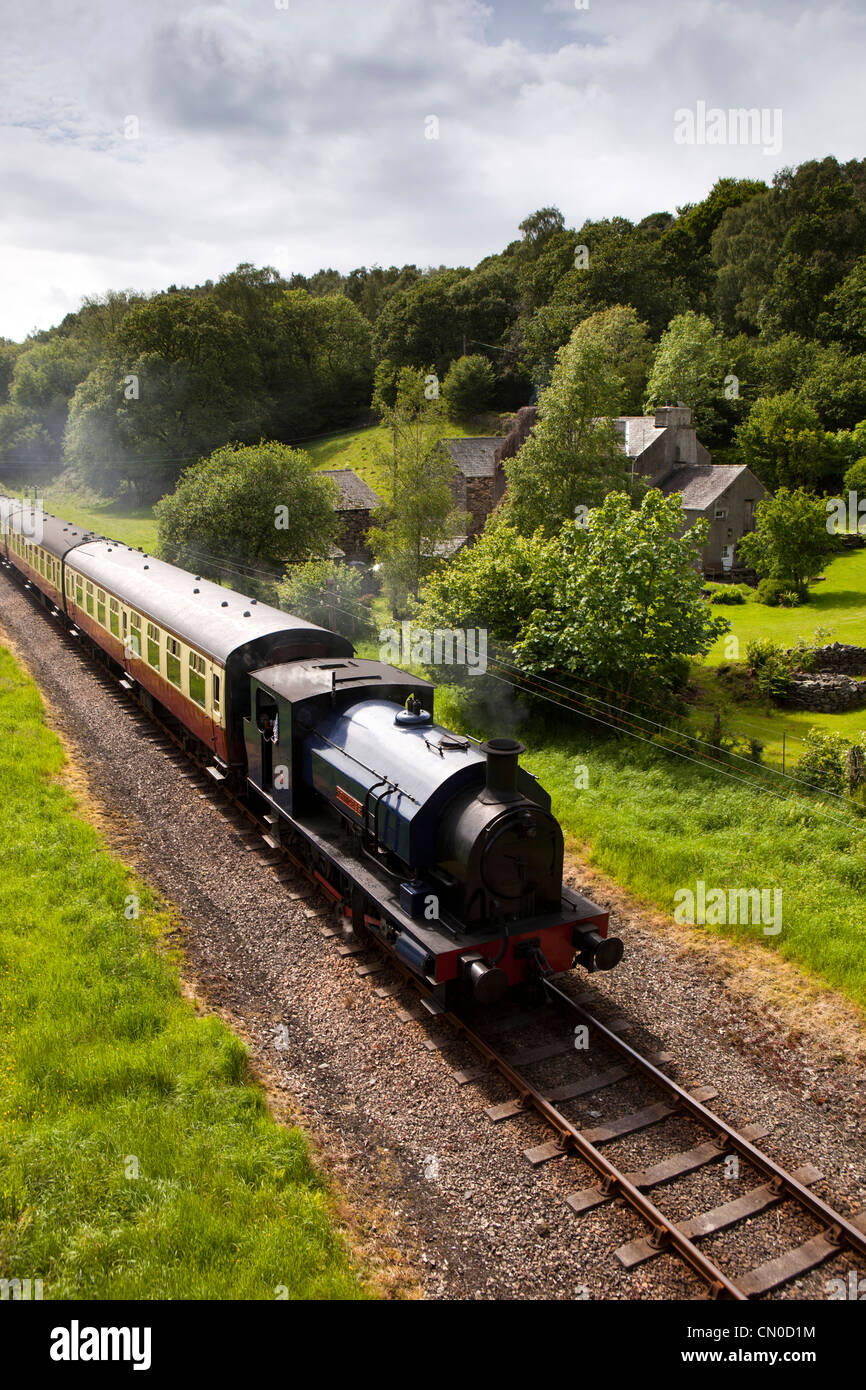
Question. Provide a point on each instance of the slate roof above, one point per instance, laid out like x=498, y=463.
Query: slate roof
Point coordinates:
x=475, y=457
x=701, y=484
x=355, y=495
x=640, y=432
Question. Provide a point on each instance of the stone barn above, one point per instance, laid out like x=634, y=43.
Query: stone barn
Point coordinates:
x=473, y=487
x=355, y=510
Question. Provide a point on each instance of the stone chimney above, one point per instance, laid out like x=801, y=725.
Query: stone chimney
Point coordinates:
x=678, y=416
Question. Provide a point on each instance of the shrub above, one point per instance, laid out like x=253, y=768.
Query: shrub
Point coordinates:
x=823, y=763
x=329, y=594
x=769, y=591
x=728, y=593
x=731, y=593
x=770, y=666
x=855, y=478
x=789, y=598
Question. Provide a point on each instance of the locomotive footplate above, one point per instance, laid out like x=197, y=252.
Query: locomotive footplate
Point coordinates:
x=439, y=950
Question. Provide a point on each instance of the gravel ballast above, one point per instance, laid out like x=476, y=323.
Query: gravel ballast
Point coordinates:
x=440, y=1200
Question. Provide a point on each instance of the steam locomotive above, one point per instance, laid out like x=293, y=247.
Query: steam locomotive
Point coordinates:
x=442, y=847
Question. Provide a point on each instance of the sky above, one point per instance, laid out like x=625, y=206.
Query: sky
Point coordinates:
x=163, y=142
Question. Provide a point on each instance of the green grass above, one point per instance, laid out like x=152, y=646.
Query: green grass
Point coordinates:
x=656, y=824
x=107, y=1071
x=752, y=719
x=837, y=603
x=837, y=607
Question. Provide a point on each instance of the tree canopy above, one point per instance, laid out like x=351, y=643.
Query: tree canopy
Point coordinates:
x=260, y=505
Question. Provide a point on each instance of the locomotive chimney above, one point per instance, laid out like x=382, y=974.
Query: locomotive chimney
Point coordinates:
x=502, y=755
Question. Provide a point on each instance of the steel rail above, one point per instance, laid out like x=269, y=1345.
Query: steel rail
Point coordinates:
x=615, y=1181
x=848, y=1234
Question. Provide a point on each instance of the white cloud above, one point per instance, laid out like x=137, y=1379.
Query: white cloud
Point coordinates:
x=298, y=135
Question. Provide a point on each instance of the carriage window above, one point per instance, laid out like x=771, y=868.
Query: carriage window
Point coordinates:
x=90, y=598
x=135, y=634
x=172, y=660
x=79, y=591
x=153, y=646
x=100, y=606
x=216, y=694
x=196, y=678
x=114, y=616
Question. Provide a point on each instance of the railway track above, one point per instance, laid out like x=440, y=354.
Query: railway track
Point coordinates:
x=578, y=1034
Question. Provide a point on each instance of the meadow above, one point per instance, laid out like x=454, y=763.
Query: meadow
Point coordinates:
x=138, y=1158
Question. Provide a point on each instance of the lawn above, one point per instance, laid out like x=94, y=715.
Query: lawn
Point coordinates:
x=837, y=603
x=836, y=609
x=656, y=823
x=137, y=1158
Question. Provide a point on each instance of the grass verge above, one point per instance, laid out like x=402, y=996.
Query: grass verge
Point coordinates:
x=137, y=1160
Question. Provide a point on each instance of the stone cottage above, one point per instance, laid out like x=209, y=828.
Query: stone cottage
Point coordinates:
x=473, y=486
x=664, y=449
x=355, y=509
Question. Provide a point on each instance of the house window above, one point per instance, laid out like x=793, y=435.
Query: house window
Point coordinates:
x=196, y=678
x=153, y=646
x=114, y=616
x=172, y=660
x=721, y=513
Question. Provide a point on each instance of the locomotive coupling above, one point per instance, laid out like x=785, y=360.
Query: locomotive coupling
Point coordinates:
x=488, y=982
x=598, y=952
